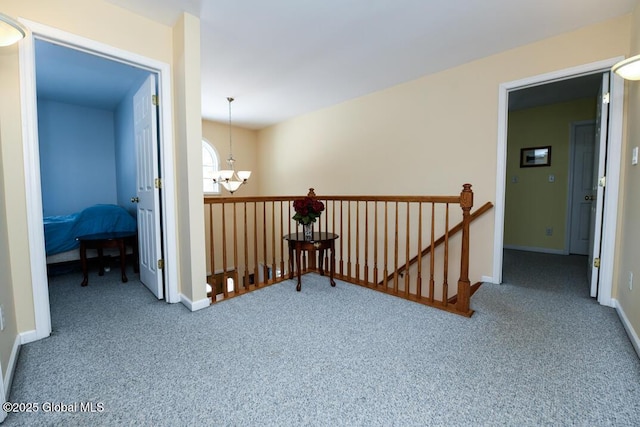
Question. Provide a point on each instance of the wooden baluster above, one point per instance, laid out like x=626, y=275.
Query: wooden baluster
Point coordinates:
x=432, y=253
x=366, y=242
x=342, y=239
x=395, y=255
x=264, y=242
x=357, y=241
x=349, y=239
x=246, y=248
x=235, y=248
x=255, y=245
x=273, y=242
x=375, y=243
x=224, y=252
x=386, y=246
x=407, y=255
x=419, y=278
x=445, y=284
x=213, y=254
x=281, y=240
x=464, y=291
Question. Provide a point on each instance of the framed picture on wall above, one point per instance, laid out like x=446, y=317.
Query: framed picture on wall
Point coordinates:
x=535, y=156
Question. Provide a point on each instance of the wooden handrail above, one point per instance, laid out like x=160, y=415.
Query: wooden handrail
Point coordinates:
x=377, y=235
x=457, y=228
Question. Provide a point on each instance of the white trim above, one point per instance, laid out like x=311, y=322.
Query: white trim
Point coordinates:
x=194, y=306
x=11, y=367
x=33, y=190
x=536, y=249
x=613, y=158
x=32, y=162
x=633, y=336
x=610, y=214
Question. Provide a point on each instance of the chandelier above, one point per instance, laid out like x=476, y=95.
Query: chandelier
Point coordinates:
x=229, y=178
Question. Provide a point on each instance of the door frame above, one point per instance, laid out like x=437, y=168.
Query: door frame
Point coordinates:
x=614, y=156
x=571, y=183
x=33, y=187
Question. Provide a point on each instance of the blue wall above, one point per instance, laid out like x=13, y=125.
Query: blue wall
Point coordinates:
x=77, y=157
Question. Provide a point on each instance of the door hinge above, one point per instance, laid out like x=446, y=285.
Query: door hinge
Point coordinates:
x=602, y=181
x=160, y=264
x=154, y=100
x=596, y=262
x=605, y=98
x=158, y=183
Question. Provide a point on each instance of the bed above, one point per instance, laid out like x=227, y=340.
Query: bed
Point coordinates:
x=60, y=232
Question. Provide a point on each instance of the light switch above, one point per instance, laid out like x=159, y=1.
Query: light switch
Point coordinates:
x=634, y=156
x=552, y=178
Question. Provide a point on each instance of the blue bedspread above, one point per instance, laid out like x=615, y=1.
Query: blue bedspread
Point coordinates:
x=60, y=232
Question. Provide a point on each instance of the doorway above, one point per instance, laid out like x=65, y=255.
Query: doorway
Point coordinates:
x=32, y=162
x=613, y=156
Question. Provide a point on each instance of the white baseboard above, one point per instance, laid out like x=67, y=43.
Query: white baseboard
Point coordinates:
x=633, y=336
x=29, y=336
x=536, y=249
x=11, y=367
x=487, y=279
x=195, y=306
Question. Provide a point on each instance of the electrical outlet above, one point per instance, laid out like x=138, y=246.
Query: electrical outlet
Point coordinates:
x=631, y=280
x=548, y=231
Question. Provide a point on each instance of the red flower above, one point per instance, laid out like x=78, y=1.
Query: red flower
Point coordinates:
x=307, y=210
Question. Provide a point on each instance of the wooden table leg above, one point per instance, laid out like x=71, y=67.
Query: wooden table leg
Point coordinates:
x=290, y=261
x=123, y=260
x=83, y=260
x=299, y=270
x=332, y=265
x=100, y=260
x=321, y=261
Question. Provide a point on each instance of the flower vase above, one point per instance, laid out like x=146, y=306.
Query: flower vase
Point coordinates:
x=308, y=232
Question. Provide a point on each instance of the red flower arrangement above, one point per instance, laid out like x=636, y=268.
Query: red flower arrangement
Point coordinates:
x=307, y=210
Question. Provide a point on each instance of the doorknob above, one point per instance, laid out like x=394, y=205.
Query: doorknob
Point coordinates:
x=135, y=200
x=587, y=198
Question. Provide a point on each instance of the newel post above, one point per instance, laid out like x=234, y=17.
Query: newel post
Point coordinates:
x=464, y=285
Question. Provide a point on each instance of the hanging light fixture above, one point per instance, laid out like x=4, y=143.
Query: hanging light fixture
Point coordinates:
x=11, y=30
x=229, y=178
x=628, y=69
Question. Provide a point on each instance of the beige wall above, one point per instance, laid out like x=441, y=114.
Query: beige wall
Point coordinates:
x=428, y=136
x=105, y=23
x=188, y=149
x=532, y=203
x=628, y=246
x=244, y=151
x=8, y=335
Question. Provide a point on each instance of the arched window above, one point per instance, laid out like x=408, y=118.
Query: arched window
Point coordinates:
x=210, y=164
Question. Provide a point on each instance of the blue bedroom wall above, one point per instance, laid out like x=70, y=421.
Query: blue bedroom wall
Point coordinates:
x=77, y=157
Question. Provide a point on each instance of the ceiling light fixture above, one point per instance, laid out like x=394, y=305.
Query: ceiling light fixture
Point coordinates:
x=229, y=178
x=628, y=69
x=11, y=31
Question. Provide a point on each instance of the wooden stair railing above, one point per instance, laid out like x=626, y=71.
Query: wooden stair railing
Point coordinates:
x=456, y=229
x=246, y=250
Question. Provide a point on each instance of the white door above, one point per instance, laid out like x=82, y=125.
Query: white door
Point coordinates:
x=148, y=191
x=583, y=145
x=597, y=184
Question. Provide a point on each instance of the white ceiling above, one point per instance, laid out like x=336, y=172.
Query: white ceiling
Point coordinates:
x=284, y=58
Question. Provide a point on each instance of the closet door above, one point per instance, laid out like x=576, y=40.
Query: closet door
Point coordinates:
x=148, y=191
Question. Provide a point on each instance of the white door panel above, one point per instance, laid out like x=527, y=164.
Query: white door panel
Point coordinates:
x=148, y=196
x=597, y=190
